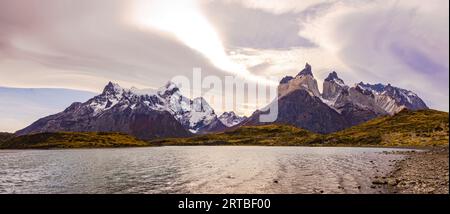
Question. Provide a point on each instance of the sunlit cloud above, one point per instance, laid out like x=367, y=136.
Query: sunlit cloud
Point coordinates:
x=82, y=45
x=186, y=22
x=279, y=6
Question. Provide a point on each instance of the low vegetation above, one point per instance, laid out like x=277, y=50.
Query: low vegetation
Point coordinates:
x=72, y=140
x=4, y=136
x=406, y=129
x=265, y=135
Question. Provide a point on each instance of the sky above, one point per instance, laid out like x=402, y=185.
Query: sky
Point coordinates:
x=21, y=107
x=76, y=46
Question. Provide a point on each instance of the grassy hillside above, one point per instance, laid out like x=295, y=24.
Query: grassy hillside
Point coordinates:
x=266, y=135
x=72, y=140
x=408, y=128
x=4, y=136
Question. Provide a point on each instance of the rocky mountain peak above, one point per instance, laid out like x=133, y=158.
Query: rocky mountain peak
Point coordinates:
x=303, y=81
x=230, y=119
x=144, y=115
x=169, y=89
x=333, y=87
x=200, y=105
x=392, y=99
x=286, y=79
x=376, y=88
x=229, y=114
x=112, y=89
x=332, y=76
x=306, y=71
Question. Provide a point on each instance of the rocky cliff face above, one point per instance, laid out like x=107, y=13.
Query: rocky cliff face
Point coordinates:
x=393, y=99
x=195, y=115
x=333, y=86
x=304, y=80
x=301, y=109
x=354, y=105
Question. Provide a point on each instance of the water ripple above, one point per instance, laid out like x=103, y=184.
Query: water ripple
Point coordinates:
x=218, y=169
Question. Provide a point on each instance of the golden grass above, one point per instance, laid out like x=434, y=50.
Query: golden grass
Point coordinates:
x=407, y=128
x=73, y=140
x=266, y=135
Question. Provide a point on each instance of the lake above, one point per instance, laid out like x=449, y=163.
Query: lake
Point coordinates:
x=195, y=169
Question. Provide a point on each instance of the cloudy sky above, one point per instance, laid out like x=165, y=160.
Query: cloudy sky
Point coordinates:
x=74, y=47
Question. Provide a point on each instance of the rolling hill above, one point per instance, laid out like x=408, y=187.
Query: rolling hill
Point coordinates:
x=72, y=140
x=407, y=128
x=420, y=128
x=263, y=135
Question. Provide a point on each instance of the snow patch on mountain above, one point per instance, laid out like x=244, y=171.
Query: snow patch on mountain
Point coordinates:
x=230, y=119
x=194, y=115
x=393, y=99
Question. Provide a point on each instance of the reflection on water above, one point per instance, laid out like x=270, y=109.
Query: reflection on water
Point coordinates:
x=220, y=169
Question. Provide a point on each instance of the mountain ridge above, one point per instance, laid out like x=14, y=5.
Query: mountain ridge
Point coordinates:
x=167, y=113
x=421, y=128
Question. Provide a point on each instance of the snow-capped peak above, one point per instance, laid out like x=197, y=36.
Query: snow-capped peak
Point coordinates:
x=112, y=88
x=393, y=99
x=195, y=115
x=169, y=89
x=333, y=77
x=230, y=119
x=199, y=115
x=375, y=89
x=111, y=95
x=200, y=105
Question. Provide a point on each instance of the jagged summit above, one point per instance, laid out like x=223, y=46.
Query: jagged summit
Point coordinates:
x=393, y=99
x=332, y=76
x=332, y=87
x=286, y=79
x=231, y=119
x=306, y=71
x=166, y=113
x=378, y=88
x=303, y=81
x=168, y=89
x=112, y=88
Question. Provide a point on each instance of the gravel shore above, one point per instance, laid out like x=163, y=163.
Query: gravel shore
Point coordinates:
x=423, y=172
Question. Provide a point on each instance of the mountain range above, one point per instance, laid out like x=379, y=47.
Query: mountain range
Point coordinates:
x=167, y=113
x=164, y=113
x=339, y=106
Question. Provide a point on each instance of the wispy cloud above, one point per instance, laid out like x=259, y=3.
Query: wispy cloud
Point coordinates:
x=400, y=42
x=83, y=44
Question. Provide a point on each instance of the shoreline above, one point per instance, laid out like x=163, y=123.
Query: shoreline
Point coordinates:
x=423, y=172
x=417, y=148
x=419, y=171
